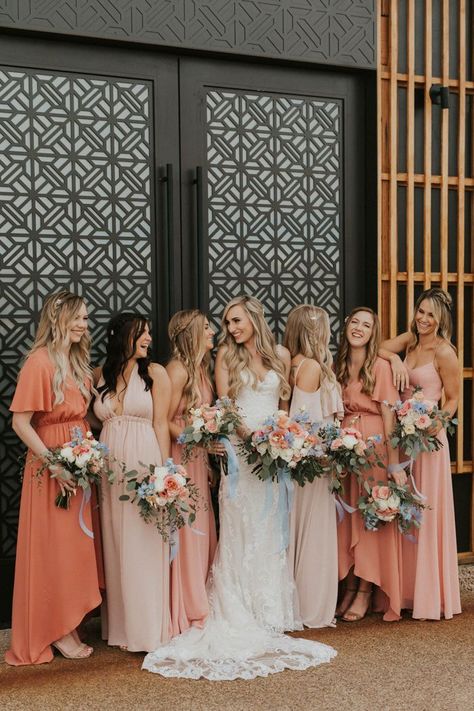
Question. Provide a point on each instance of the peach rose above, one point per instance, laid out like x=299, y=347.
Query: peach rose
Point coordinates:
x=172, y=487
x=423, y=422
x=336, y=443
x=277, y=439
x=380, y=492
x=211, y=426
x=283, y=420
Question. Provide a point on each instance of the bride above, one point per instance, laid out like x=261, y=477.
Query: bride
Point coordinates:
x=250, y=589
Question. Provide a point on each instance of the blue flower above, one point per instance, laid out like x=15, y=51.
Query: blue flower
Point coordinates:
x=181, y=438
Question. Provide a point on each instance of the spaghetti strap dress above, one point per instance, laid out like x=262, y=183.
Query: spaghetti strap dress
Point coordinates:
x=312, y=553
x=430, y=567
x=375, y=555
x=197, y=545
x=135, y=556
x=56, y=579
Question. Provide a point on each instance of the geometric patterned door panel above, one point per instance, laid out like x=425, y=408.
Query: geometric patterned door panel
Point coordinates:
x=76, y=211
x=274, y=177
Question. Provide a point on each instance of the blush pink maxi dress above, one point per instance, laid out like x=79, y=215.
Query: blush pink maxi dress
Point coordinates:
x=375, y=555
x=136, y=558
x=190, y=568
x=312, y=553
x=56, y=576
x=430, y=567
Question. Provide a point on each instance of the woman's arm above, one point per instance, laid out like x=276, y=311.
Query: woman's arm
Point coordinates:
x=161, y=394
x=285, y=357
x=395, y=472
x=178, y=376
x=221, y=375
x=448, y=367
x=94, y=423
x=389, y=350
x=21, y=424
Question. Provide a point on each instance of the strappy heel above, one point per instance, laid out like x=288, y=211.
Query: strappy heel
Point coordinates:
x=340, y=613
x=79, y=651
x=349, y=616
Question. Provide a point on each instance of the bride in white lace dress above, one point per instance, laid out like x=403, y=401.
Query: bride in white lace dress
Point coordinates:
x=250, y=589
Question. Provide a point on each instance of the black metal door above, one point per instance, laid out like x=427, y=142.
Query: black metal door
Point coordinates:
x=274, y=187
x=85, y=203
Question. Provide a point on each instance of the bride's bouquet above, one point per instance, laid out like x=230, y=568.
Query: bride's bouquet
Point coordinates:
x=164, y=496
x=285, y=443
x=207, y=424
x=348, y=452
x=386, y=502
x=82, y=462
x=414, y=418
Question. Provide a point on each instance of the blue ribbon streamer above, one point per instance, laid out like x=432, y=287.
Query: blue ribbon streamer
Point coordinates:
x=285, y=500
x=341, y=507
x=174, y=544
x=86, y=497
x=232, y=466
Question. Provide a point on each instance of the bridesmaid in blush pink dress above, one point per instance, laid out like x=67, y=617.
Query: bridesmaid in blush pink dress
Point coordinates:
x=132, y=403
x=192, y=341
x=312, y=553
x=369, y=561
x=430, y=583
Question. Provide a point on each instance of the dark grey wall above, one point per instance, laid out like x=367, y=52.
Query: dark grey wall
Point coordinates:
x=334, y=32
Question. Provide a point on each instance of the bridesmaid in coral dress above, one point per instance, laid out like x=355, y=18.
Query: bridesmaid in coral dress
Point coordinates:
x=56, y=581
x=430, y=583
x=132, y=403
x=192, y=340
x=313, y=516
x=368, y=561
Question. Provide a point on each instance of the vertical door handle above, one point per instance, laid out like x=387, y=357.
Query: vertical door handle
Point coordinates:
x=199, y=236
x=167, y=181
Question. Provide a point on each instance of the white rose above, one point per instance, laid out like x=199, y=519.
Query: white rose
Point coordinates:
x=88, y=433
x=181, y=480
x=67, y=454
x=160, y=473
x=82, y=459
x=262, y=447
x=298, y=442
x=349, y=441
x=409, y=418
x=198, y=423
x=286, y=454
x=159, y=501
x=409, y=429
x=393, y=501
x=382, y=504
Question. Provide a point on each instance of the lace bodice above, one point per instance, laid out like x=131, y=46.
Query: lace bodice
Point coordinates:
x=258, y=401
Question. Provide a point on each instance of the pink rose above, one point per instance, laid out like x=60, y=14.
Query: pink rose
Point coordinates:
x=405, y=409
x=380, y=492
x=352, y=431
x=172, y=487
x=277, y=439
x=336, y=443
x=423, y=422
x=283, y=421
x=360, y=448
x=211, y=426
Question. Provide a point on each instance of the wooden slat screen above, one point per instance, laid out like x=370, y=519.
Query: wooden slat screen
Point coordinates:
x=429, y=244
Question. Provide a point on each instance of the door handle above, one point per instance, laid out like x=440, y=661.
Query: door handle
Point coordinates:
x=199, y=237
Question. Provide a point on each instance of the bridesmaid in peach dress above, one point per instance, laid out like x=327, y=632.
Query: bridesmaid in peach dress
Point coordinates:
x=430, y=585
x=132, y=403
x=369, y=561
x=192, y=341
x=56, y=581
x=313, y=516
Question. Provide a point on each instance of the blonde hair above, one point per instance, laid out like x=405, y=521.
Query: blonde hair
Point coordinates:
x=342, y=359
x=56, y=315
x=188, y=345
x=308, y=333
x=237, y=357
x=441, y=303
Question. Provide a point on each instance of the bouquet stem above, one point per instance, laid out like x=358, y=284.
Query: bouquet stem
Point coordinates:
x=63, y=501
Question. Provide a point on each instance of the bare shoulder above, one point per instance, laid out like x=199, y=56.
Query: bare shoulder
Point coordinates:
x=176, y=371
x=220, y=356
x=446, y=356
x=157, y=371
x=284, y=354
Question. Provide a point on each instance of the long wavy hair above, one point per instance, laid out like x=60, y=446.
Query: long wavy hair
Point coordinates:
x=188, y=345
x=441, y=304
x=123, y=332
x=58, y=311
x=308, y=332
x=343, y=354
x=237, y=357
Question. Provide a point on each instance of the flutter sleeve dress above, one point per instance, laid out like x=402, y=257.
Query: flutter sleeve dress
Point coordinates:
x=56, y=580
x=197, y=545
x=312, y=554
x=375, y=555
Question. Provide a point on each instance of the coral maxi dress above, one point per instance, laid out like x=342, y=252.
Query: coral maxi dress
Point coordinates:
x=56, y=580
x=189, y=570
x=375, y=555
x=430, y=566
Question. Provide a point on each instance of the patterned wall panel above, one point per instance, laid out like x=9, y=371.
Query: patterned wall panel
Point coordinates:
x=75, y=211
x=340, y=32
x=274, y=212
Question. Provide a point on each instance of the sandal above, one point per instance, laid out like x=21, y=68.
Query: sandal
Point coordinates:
x=349, y=616
x=339, y=612
x=83, y=651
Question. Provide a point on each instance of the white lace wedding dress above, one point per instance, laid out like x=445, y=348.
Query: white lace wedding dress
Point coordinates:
x=250, y=589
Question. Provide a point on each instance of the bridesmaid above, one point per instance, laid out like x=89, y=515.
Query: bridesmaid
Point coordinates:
x=192, y=340
x=430, y=568
x=368, y=558
x=132, y=403
x=313, y=517
x=56, y=582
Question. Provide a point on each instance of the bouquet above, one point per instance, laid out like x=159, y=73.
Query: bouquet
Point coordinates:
x=164, y=496
x=83, y=462
x=207, y=424
x=285, y=443
x=415, y=416
x=388, y=502
x=348, y=452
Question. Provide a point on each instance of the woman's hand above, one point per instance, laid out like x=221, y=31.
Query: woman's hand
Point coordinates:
x=63, y=479
x=435, y=428
x=216, y=447
x=399, y=476
x=401, y=378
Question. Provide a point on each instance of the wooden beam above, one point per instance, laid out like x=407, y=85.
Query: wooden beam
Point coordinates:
x=443, y=227
x=393, y=168
x=410, y=161
x=427, y=146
